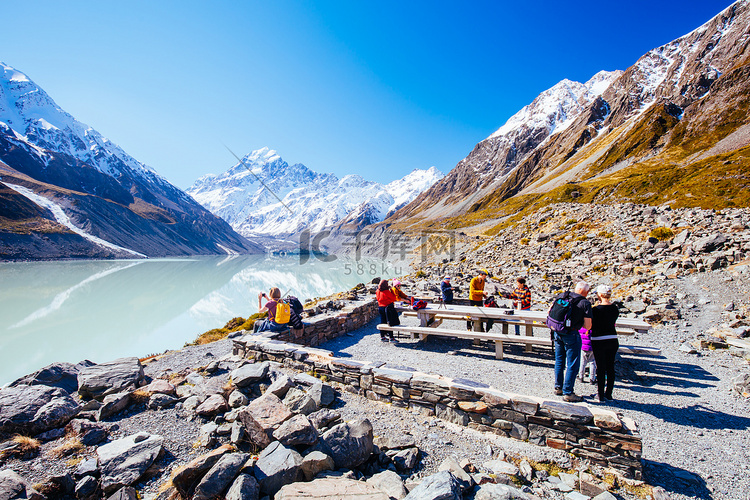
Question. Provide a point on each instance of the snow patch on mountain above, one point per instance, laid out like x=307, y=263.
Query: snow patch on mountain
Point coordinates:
x=263, y=195
x=63, y=219
x=37, y=120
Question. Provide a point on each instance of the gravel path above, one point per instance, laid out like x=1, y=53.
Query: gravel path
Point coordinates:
x=695, y=430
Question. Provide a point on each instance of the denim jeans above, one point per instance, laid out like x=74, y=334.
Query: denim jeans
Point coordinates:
x=567, y=360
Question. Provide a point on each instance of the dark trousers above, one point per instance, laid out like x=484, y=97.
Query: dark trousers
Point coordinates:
x=470, y=324
x=605, y=352
x=389, y=316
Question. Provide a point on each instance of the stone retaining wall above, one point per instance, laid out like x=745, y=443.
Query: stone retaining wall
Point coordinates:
x=320, y=329
x=589, y=432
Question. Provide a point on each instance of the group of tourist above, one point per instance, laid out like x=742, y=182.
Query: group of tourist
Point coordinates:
x=589, y=342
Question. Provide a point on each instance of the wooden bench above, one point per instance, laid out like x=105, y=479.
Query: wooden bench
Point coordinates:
x=423, y=332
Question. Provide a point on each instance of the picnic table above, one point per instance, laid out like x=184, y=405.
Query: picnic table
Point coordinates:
x=432, y=316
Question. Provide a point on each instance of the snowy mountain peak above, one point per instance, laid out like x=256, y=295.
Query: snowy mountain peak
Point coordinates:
x=555, y=108
x=309, y=200
x=36, y=119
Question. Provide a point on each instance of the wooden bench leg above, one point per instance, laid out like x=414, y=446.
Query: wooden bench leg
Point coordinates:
x=505, y=328
x=498, y=349
x=476, y=342
x=529, y=333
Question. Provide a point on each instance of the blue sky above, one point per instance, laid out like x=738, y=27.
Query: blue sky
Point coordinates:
x=373, y=88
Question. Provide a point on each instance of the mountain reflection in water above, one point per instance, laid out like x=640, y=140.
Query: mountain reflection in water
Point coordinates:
x=103, y=310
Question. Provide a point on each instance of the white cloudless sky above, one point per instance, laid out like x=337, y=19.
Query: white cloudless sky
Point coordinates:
x=373, y=88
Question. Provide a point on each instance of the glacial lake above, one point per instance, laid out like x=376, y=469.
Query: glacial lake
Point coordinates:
x=103, y=310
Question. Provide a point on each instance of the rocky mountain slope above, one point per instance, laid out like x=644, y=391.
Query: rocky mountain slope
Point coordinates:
x=67, y=191
x=265, y=196
x=673, y=127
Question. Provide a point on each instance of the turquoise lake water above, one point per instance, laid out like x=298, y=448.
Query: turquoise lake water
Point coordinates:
x=103, y=310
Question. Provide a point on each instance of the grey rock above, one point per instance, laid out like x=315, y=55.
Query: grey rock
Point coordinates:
x=211, y=406
x=34, y=409
x=237, y=399
x=13, y=486
x=350, y=444
x=525, y=470
x=245, y=487
x=86, y=487
x=191, y=403
x=61, y=375
x=124, y=374
x=280, y=386
x=316, y=462
x=296, y=431
x=398, y=442
x=709, y=243
x=299, y=402
x=51, y=435
x=220, y=477
x=440, y=486
x=277, y=466
x=452, y=465
x=501, y=467
x=250, y=373
x=324, y=418
x=161, y=401
x=113, y=404
x=606, y=495
x=331, y=487
x=570, y=412
x=125, y=493
x=491, y=491
x=207, y=434
x=185, y=479
x=124, y=461
x=88, y=467
x=88, y=432
x=253, y=431
x=687, y=348
x=322, y=394
x=389, y=483
x=404, y=460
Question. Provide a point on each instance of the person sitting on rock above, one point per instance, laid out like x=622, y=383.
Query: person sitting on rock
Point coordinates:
x=270, y=324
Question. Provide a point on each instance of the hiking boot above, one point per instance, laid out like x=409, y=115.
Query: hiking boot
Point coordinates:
x=572, y=398
x=609, y=397
x=393, y=341
x=384, y=339
x=593, y=382
x=558, y=391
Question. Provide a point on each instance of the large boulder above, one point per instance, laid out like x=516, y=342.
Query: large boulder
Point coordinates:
x=390, y=483
x=220, y=477
x=296, y=431
x=13, y=486
x=269, y=411
x=331, y=487
x=249, y=374
x=349, y=444
x=277, y=466
x=442, y=485
x=245, y=487
x=35, y=409
x=120, y=375
x=124, y=461
x=61, y=375
x=187, y=477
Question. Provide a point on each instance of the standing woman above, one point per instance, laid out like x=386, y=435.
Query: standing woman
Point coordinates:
x=388, y=313
x=604, y=341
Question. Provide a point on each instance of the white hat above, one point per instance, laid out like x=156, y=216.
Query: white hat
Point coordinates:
x=604, y=289
x=447, y=278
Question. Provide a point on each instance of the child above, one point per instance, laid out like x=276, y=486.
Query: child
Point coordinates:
x=587, y=356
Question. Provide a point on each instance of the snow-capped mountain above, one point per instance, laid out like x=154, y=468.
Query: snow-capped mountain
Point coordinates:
x=95, y=199
x=684, y=96
x=264, y=195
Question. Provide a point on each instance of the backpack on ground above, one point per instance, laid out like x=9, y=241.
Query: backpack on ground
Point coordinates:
x=283, y=312
x=560, y=314
x=490, y=302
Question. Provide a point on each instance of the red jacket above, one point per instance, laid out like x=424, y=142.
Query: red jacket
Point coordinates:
x=386, y=298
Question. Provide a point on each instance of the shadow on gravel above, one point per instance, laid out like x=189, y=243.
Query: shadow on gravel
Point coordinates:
x=675, y=479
